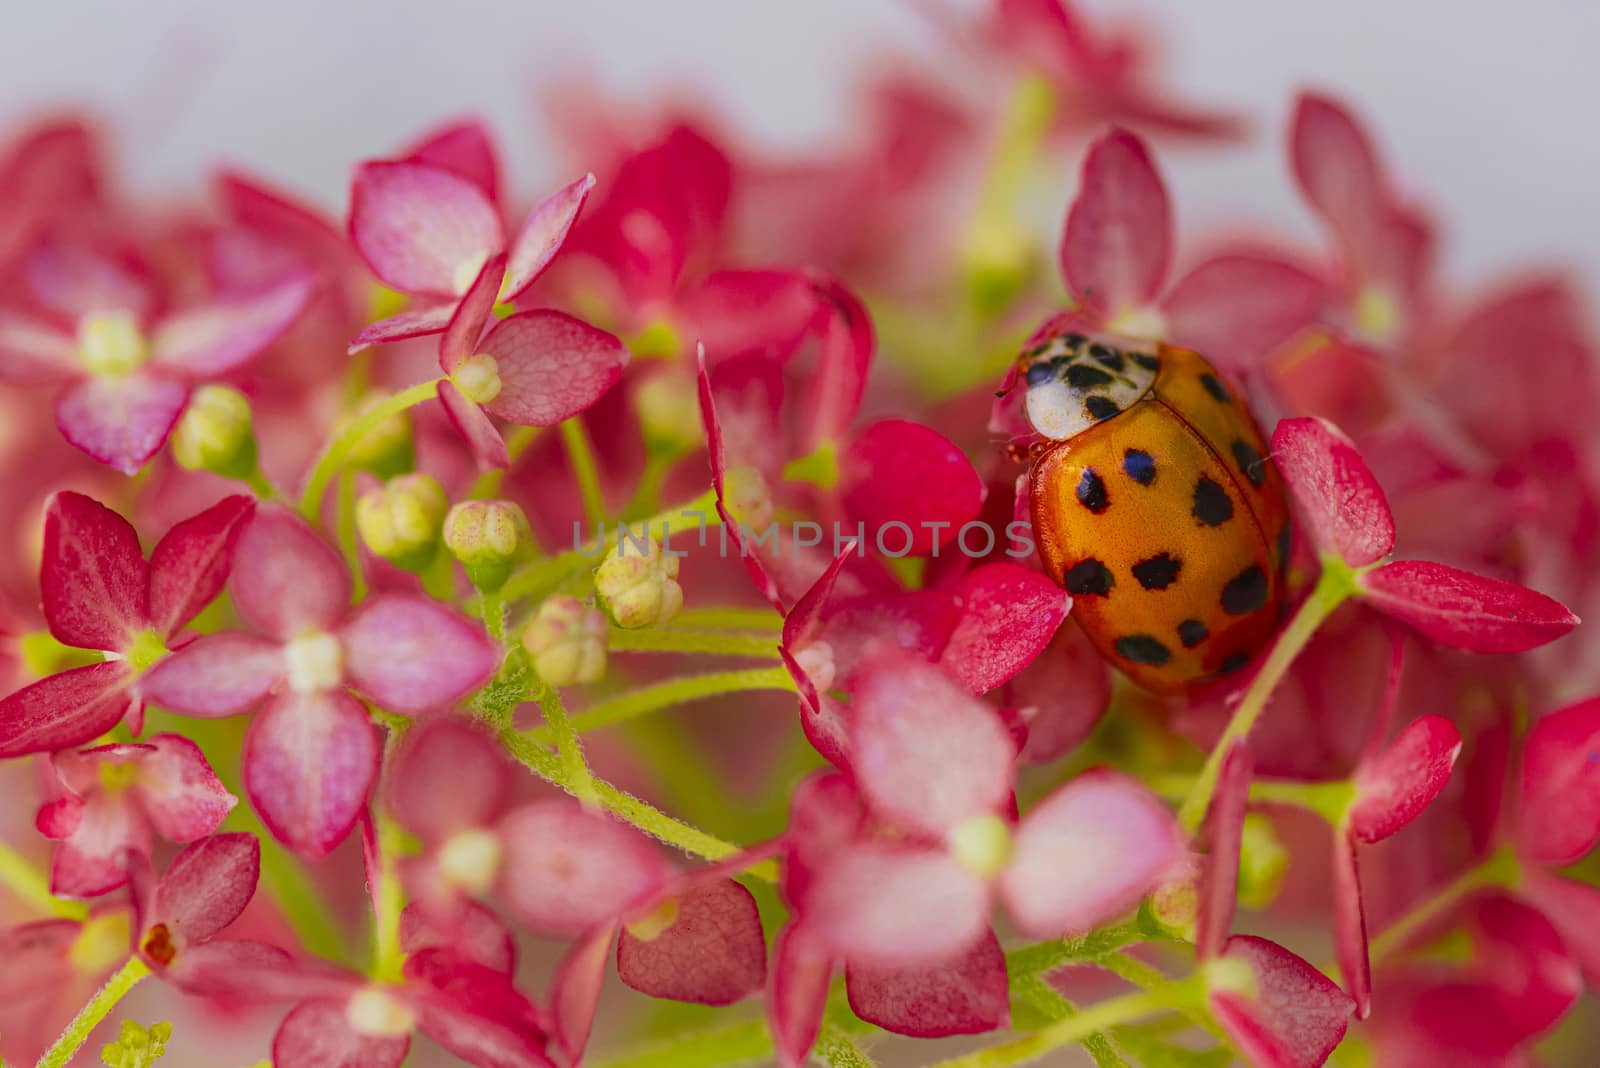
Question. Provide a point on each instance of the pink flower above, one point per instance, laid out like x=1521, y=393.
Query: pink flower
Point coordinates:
x=124, y=369
x=311, y=754
x=100, y=593
x=50, y=174
x=427, y=223
x=52, y=968
x=113, y=796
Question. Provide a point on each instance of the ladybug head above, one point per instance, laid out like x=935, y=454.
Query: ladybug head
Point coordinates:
x=1074, y=380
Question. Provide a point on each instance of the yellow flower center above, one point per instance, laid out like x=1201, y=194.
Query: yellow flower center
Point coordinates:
x=982, y=845
x=111, y=343
x=470, y=860
x=376, y=1013
x=316, y=662
x=478, y=378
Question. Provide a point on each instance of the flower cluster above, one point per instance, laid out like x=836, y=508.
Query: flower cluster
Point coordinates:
x=461, y=563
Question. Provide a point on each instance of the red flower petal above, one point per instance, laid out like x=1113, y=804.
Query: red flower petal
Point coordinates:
x=1558, y=811
x=179, y=792
x=286, y=578
x=121, y=421
x=418, y=320
x=470, y=421
x=575, y=990
x=477, y=935
x=219, y=337
x=74, y=280
x=1350, y=926
x=1060, y=696
x=190, y=564
x=317, y=1034
x=714, y=953
x=567, y=871
x=418, y=226
x=797, y=994
x=896, y=905
x=471, y=313
x=449, y=775
x=909, y=717
x=463, y=148
x=92, y=575
x=552, y=366
x=909, y=475
x=1395, y=786
x=207, y=886
x=841, y=373
x=36, y=354
x=1238, y=308
x=1087, y=853
x=1008, y=616
x=1338, y=499
x=1335, y=164
x=309, y=760
x=1466, y=611
x=217, y=675
x=93, y=859
x=825, y=815
x=965, y=997
x=1117, y=242
x=61, y=711
x=1219, y=873
x=1298, y=1016
x=1571, y=907
x=226, y=968
x=410, y=654
x=542, y=235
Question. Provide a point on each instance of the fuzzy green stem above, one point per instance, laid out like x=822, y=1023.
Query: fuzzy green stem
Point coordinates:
x=388, y=958
x=840, y=1050
x=1337, y=584
x=259, y=485
x=666, y=694
x=338, y=450
x=1125, y=965
x=1498, y=869
x=31, y=885
x=580, y=451
x=684, y=640
x=494, y=615
x=576, y=775
x=349, y=538
x=89, y=1017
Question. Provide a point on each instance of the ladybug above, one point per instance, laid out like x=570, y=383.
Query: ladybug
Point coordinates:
x=1155, y=505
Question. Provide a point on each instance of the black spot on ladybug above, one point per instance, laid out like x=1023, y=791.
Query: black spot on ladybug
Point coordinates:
x=1040, y=373
x=1212, y=505
x=1107, y=357
x=1158, y=572
x=1191, y=632
x=1090, y=578
x=1092, y=491
x=1233, y=662
x=1143, y=649
x=1250, y=462
x=1245, y=592
x=1101, y=407
x=1214, y=386
x=1074, y=340
x=1147, y=361
x=1082, y=376
x=1139, y=466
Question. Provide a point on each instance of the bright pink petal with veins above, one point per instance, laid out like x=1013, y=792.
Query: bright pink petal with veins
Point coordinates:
x=1008, y=615
x=180, y=794
x=466, y=324
x=1238, y=308
x=713, y=954
x=409, y=653
x=190, y=564
x=220, y=337
x=309, y=761
x=968, y=996
x=908, y=717
x=75, y=281
x=1393, y=787
x=419, y=227
x=575, y=990
x=1335, y=164
x=1350, y=926
x=93, y=860
x=842, y=365
x=1463, y=610
x=933, y=490
x=216, y=675
x=449, y=775
x=542, y=235
x=1086, y=854
x=552, y=366
x=896, y=905
x=797, y=993
x=473, y=424
x=1298, y=1016
x=207, y=886
x=475, y=1012
x=477, y=934
x=566, y=870
x=916, y=623
x=463, y=148
x=1571, y=907
x=1060, y=696
x=64, y=710
x=92, y=574
x=1117, y=242
x=36, y=354
x=317, y=1034
x=286, y=578
x=121, y=422
x=1558, y=810
x=419, y=320
x=226, y=968
x=1219, y=871
x=1339, y=501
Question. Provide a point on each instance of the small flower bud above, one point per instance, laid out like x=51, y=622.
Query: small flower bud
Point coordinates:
x=1175, y=904
x=137, y=1046
x=1263, y=861
x=487, y=537
x=567, y=640
x=215, y=433
x=637, y=583
x=385, y=450
x=669, y=414
x=400, y=521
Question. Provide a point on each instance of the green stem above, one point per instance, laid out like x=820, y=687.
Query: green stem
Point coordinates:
x=580, y=451
x=345, y=531
x=1125, y=965
x=666, y=694
x=1097, y=1018
x=840, y=1050
x=89, y=1017
x=333, y=457
x=1337, y=584
x=260, y=486
x=569, y=748
x=494, y=615
x=1498, y=869
x=730, y=617
x=388, y=958
x=684, y=640
x=31, y=885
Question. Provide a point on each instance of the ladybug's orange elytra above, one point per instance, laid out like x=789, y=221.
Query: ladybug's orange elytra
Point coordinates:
x=1155, y=505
